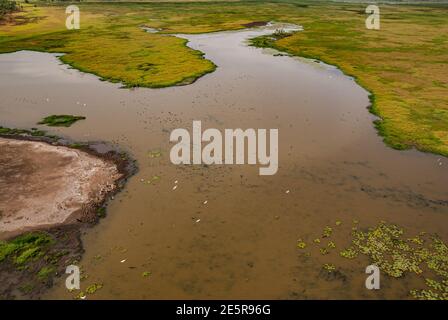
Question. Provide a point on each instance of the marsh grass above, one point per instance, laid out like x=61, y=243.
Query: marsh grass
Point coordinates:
x=404, y=65
x=26, y=248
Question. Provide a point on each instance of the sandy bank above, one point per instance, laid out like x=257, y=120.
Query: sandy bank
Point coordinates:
x=54, y=190
x=44, y=185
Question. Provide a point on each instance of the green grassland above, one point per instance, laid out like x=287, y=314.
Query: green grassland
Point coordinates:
x=404, y=65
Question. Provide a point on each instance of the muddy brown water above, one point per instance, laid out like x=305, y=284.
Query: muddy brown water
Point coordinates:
x=244, y=246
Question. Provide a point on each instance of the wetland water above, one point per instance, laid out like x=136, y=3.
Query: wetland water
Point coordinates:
x=242, y=242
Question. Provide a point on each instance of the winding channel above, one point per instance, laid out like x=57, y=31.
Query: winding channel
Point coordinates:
x=242, y=242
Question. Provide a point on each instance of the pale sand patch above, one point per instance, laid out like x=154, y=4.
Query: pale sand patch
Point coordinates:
x=45, y=185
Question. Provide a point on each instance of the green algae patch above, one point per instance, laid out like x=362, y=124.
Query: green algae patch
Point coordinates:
x=63, y=120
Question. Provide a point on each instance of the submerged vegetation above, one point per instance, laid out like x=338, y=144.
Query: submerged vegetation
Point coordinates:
x=396, y=255
x=63, y=120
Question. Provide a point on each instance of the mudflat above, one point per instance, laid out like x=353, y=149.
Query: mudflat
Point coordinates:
x=45, y=185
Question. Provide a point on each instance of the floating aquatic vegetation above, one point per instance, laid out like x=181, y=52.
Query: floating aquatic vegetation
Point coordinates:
x=416, y=240
x=338, y=223
x=301, y=244
x=81, y=295
x=329, y=267
x=396, y=255
x=155, y=154
x=94, y=288
x=440, y=293
x=349, y=253
x=384, y=246
x=152, y=180
x=146, y=274
x=327, y=232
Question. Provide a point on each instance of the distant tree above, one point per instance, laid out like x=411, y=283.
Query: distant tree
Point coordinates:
x=7, y=6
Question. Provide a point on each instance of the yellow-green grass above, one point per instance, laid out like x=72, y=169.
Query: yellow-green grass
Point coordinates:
x=404, y=65
x=110, y=44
